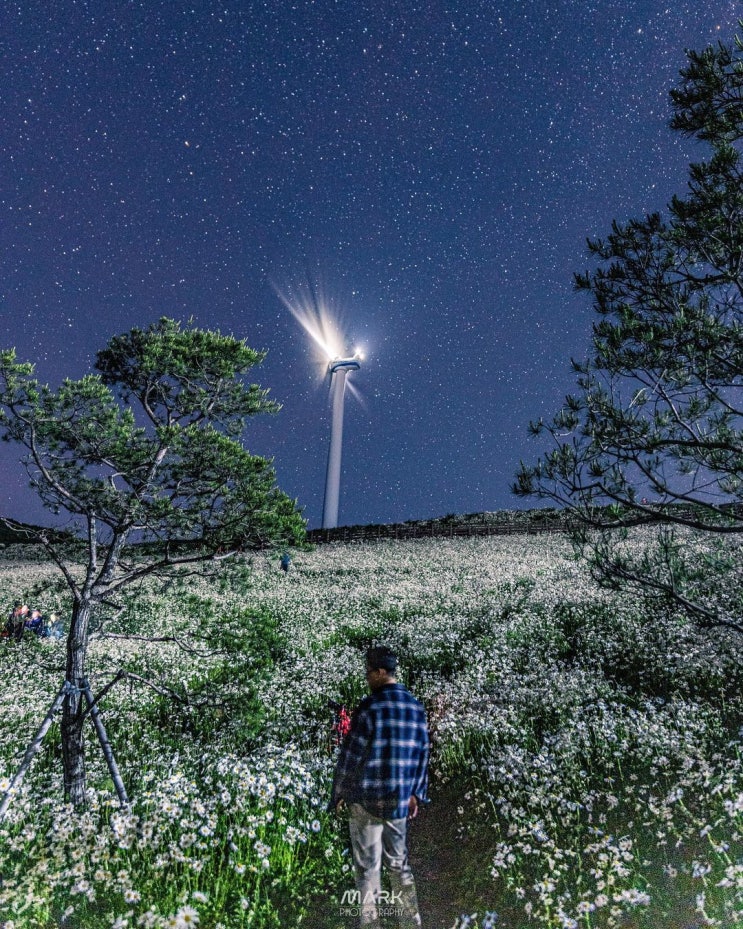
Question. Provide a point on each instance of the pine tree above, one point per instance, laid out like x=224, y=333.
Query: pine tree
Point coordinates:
x=146, y=461
x=654, y=431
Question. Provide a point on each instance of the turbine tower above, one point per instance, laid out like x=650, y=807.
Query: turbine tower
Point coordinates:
x=338, y=369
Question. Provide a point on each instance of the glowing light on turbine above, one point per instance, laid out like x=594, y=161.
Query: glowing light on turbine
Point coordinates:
x=317, y=316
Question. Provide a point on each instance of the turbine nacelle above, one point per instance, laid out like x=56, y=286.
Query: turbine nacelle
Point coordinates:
x=347, y=364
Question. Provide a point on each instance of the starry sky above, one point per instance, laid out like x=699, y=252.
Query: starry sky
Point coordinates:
x=432, y=168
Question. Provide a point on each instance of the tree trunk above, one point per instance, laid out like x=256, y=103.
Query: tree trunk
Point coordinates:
x=73, y=741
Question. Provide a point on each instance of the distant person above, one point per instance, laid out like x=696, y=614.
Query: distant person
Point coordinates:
x=382, y=776
x=17, y=620
x=52, y=627
x=284, y=562
x=35, y=621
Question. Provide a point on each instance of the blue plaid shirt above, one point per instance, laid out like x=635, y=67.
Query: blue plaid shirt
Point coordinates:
x=383, y=760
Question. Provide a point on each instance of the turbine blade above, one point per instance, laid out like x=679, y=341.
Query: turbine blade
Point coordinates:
x=356, y=393
x=313, y=293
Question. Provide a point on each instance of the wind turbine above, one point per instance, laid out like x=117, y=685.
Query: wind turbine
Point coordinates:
x=315, y=317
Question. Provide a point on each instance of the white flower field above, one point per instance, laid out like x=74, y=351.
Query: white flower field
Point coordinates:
x=586, y=745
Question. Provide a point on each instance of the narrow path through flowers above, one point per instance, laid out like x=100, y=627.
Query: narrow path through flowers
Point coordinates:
x=439, y=860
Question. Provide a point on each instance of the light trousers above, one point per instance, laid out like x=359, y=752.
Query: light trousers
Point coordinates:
x=373, y=841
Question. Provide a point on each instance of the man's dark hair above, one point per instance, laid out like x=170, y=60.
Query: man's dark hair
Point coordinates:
x=379, y=656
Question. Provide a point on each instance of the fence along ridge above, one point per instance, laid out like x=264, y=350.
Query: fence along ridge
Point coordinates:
x=441, y=530
x=383, y=532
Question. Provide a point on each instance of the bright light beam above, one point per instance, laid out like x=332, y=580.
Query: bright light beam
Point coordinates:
x=315, y=315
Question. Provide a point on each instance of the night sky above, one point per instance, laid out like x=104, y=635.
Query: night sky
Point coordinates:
x=434, y=168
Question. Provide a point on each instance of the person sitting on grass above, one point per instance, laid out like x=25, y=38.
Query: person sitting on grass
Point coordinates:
x=52, y=628
x=35, y=621
x=16, y=621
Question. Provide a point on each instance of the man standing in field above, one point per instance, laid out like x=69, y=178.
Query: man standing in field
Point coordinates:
x=382, y=776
